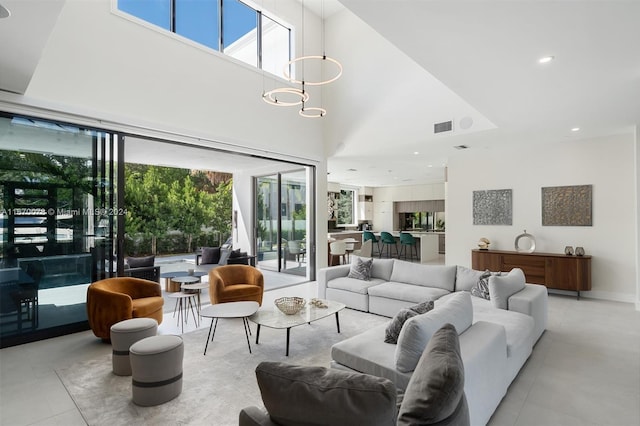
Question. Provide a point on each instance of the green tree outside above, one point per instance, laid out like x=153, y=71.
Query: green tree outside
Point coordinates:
x=148, y=212
x=164, y=199
x=191, y=208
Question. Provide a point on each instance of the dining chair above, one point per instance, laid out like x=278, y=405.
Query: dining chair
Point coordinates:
x=296, y=248
x=408, y=240
x=338, y=248
x=388, y=240
x=350, y=246
x=368, y=235
x=365, y=250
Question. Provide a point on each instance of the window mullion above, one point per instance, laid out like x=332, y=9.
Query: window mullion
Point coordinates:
x=259, y=37
x=172, y=17
x=220, y=29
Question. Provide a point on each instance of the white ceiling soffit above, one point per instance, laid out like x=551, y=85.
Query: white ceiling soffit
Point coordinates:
x=24, y=35
x=45, y=137
x=487, y=52
x=145, y=151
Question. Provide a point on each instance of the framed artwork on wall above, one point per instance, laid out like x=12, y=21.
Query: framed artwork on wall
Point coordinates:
x=493, y=207
x=567, y=205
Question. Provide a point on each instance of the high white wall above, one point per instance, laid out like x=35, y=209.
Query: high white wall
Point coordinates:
x=102, y=69
x=101, y=65
x=607, y=163
x=384, y=197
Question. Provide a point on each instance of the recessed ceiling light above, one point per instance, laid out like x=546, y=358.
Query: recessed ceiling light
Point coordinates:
x=415, y=153
x=429, y=165
x=546, y=59
x=575, y=129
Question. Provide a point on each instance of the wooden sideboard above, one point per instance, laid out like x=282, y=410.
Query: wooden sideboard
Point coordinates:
x=555, y=271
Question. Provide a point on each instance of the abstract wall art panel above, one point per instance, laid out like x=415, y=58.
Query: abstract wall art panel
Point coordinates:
x=567, y=205
x=493, y=207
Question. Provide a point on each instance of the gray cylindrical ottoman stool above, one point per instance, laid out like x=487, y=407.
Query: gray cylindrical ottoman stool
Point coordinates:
x=123, y=335
x=156, y=366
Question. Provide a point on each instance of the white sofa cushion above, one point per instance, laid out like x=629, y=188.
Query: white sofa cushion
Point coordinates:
x=417, y=331
x=519, y=327
x=502, y=287
x=408, y=292
x=354, y=285
x=437, y=276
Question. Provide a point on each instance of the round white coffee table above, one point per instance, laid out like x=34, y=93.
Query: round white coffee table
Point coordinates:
x=229, y=310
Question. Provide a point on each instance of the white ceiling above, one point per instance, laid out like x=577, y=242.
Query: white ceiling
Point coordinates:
x=411, y=63
x=486, y=52
x=24, y=35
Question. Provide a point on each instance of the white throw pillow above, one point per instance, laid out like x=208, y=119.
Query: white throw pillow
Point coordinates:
x=502, y=287
x=417, y=331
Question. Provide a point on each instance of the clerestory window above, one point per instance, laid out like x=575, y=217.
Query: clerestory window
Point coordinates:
x=228, y=26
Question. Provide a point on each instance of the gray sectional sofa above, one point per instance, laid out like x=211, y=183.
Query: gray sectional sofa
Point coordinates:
x=496, y=335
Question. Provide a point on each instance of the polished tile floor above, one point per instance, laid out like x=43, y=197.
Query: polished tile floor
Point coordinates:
x=585, y=370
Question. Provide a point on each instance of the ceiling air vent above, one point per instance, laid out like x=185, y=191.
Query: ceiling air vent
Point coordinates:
x=445, y=126
x=461, y=147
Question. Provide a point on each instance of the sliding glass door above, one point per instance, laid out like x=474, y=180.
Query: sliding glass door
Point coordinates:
x=282, y=225
x=57, y=212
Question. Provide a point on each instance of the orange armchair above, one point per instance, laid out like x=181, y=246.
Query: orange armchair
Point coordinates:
x=234, y=283
x=116, y=299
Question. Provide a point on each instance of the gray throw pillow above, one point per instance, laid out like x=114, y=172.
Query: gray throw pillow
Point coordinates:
x=361, y=269
x=140, y=262
x=435, y=393
x=392, y=331
x=423, y=307
x=481, y=289
x=210, y=255
x=304, y=396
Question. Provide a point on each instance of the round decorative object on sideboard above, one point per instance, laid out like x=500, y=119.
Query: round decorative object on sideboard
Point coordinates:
x=525, y=243
x=579, y=251
x=483, y=243
x=568, y=250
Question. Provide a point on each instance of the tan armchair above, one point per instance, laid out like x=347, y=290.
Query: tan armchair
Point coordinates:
x=234, y=283
x=116, y=299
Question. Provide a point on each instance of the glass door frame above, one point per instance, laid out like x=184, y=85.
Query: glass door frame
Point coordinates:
x=91, y=219
x=310, y=235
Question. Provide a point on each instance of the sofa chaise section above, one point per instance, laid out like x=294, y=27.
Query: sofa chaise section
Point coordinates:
x=483, y=346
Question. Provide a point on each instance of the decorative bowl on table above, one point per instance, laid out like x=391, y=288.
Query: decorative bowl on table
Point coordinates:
x=290, y=305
